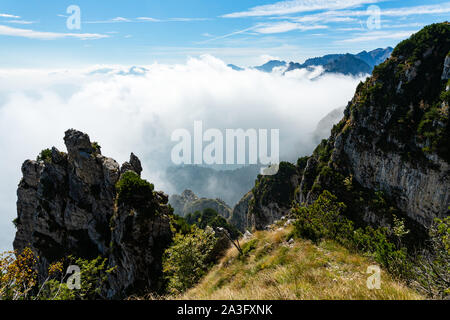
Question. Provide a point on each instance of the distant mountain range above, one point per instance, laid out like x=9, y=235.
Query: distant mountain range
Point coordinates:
x=348, y=64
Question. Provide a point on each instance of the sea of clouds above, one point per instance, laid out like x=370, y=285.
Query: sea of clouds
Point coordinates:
x=138, y=111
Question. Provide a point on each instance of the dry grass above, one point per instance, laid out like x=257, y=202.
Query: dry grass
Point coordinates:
x=276, y=269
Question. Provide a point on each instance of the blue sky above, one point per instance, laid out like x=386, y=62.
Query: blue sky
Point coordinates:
x=33, y=33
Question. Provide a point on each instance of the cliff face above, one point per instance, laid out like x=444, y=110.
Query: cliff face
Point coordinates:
x=239, y=217
x=268, y=201
x=67, y=206
x=390, y=153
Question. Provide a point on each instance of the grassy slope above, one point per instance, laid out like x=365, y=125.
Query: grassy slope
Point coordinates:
x=275, y=269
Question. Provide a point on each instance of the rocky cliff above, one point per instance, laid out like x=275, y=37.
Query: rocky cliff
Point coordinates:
x=69, y=204
x=390, y=153
x=268, y=201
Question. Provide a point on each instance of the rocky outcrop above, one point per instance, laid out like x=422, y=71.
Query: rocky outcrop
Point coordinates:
x=268, y=201
x=239, y=217
x=67, y=206
x=179, y=201
x=446, y=72
x=188, y=202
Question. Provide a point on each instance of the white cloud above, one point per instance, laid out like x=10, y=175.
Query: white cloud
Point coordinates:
x=285, y=27
x=20, y=21
x=348, y=15
x=148, y=19
x=188, y=19
x=113, y=20
x=41, y=35
x=296, y=6
x=266, y=58
x=5, y=15
x=417, y=10
x=138, y=113
x=378, y=35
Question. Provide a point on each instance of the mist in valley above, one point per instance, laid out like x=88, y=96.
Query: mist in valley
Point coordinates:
x=136, y=110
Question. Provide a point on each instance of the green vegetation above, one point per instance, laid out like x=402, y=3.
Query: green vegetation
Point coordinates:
x=188, y=259
x=93, y=274
x=96, y=147
x=135, y=192
x=432, y=266
x=195, y=248
x=45, y=155
x=278, y=268
x=428, y=271
x=179, y=225
x=18, y=278
x=430, y=36
x=322, y=220
x=210, y=217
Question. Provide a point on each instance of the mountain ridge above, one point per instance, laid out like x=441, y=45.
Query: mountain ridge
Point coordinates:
x=392, y=143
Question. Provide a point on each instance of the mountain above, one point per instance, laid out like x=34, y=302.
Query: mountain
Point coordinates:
x=375, y=57
x=235, y=68
x=348, y=64
x=228, y=185
x=389, y=156
x=188, y=202
x=132, y=71
x=269, y=66
x=325, y=125
x=85, y=205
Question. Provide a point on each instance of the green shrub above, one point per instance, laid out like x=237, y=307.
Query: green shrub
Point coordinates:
x=134, y=191
x=249, y=246
x=93, y=275
x=432, y=266
x=210, y=217
x=179, y=225
x=188, y=259
x=322, y=220
x=97, y=148
x=378, y=244
x=45, y=155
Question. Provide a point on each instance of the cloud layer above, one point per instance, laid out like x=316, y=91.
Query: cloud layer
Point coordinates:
x=137, y=111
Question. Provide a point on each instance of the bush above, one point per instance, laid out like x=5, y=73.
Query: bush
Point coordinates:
x=18, y=278
x=188, y=259
x=134, y=191
x=17, y=274
x=179, y=225
x=211, y=218
x=378, y=244
x=432, y=266
x=323, y=220
x=45, y=155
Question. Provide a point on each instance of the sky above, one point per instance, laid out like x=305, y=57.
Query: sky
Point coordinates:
x=34, y=33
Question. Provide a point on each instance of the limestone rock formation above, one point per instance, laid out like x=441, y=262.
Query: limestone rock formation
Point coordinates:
x=67, y=206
